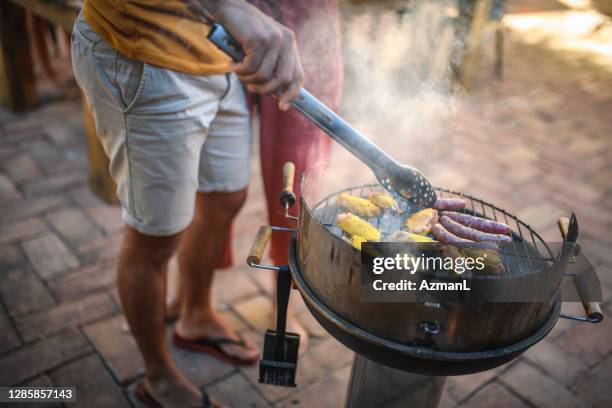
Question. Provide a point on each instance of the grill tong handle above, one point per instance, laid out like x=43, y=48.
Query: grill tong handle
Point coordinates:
x=592, y=310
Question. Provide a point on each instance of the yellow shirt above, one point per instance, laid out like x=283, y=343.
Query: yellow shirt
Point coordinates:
x=158, y=32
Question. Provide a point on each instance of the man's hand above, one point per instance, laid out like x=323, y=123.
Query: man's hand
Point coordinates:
x=272, y=64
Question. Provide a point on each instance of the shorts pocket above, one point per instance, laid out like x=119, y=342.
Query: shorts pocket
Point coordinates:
x=130, y=78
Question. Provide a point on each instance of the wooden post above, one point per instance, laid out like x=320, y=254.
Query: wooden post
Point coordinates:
x=100, y=181
x=17, y=81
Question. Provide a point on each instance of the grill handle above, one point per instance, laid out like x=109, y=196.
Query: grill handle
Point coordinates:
x=259, y=245
x=592, y=310
x=287, y=196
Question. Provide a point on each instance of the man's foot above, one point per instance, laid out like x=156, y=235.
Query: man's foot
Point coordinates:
x=237, y=350
x=172, y=390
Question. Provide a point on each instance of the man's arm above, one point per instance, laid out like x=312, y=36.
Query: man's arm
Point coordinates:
x=272, y=64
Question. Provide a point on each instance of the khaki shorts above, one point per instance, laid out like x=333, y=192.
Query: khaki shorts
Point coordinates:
x=168, y=134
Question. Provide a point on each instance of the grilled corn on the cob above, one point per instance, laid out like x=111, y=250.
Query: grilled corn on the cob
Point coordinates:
x=383, y=200
x=354, y=225
x=405, y=236
x=357, y=205
x=422, y=221
x=356, y=241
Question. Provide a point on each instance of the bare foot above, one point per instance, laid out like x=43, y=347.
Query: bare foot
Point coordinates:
x=212, y=327
x=174, y=390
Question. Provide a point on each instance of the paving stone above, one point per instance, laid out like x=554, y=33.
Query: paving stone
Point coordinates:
x=42, y=381
x=20, y=230
x=95, y=387
x=8, y=336
x=586, y=342
x=18, y=209
x=100, y=250
x=199, y=368
x=21, y=168
x=10, y=258
x=537, y=388
x=447, y=400
x=42, y=356
x=461, y=386
x=236, y=391
x=45, y=154
x=329, y=391
x=7, y=188
x=257, y=311
x=331, y=354
x=49, y=256
x=117, y=347
x=107, y=217
x=565, y=368
x=232, y=285
x=64, y=316
x=90, y=279
x=61, y=135
x=595, y=387
x=73, y=226
x=55, y=183
x=492, y=395
x=23, y=292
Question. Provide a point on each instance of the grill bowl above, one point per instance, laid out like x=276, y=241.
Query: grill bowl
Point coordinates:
x=329, y=268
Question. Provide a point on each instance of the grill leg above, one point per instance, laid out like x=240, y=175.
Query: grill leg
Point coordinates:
x=376, y=385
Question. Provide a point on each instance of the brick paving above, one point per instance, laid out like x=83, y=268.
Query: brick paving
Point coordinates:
x=537, y=143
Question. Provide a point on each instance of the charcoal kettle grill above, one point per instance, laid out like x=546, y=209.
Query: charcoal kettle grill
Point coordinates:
x=415, y=344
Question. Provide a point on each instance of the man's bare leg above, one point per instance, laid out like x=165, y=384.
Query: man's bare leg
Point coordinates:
x=141, y=282
x=201, y=248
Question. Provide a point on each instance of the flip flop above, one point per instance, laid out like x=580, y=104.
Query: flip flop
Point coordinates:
x=146, y=398
x=213, y=347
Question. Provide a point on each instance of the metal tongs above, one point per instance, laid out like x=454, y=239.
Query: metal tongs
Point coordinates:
x=401, y=179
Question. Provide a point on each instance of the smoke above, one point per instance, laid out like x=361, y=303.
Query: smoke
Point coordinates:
x=398, y=84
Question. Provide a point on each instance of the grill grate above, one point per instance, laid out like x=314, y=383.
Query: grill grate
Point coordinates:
x=527, y=254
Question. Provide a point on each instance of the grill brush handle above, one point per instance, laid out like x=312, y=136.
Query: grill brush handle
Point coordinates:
x=315, y=110
x=569, y=231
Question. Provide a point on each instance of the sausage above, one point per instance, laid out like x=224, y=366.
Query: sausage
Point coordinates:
x=481, y=224
x=446, y=237
x=470, y=233
x=449, y=204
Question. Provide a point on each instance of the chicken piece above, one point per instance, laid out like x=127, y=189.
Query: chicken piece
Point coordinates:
x=357, y=205
x=422, y=221
x=356, y=241
x=405, y=236
x=384, y=200
x=354, y=225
